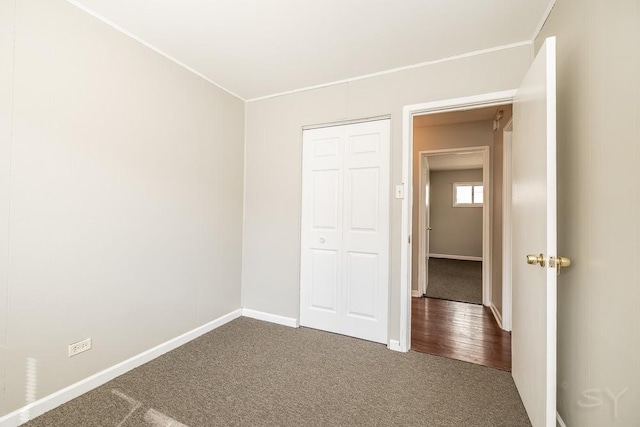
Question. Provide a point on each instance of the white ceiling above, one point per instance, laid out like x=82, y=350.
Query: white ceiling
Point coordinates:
x=255, y=48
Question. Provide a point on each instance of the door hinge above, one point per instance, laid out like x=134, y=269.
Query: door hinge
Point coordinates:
x=409, y=240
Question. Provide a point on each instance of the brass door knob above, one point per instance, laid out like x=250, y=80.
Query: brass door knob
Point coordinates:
x=536, y=259
x=559, y=262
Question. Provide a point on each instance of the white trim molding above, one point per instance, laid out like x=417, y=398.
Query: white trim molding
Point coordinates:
x=424, y=221
x=496, y=314
x=347, y=122
x=544, y=18
x=415, y=293
x=47, y=403
x=395, y=70
x=458, y=257
x=560, y=421
x=394, y=345
x=506, y=227
x=150, y=46
x=272, y=318
x=408, y=112
x=487, y=227
x=487, y=217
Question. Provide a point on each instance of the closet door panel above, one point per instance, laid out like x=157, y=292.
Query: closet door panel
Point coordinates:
x=345, y=230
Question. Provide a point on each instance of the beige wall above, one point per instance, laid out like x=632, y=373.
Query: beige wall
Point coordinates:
x=498, y=205
x=125, y=198
x=271, y=247
x=6, y=102
x=442, y=137
x=456, y=230
x=598, y=209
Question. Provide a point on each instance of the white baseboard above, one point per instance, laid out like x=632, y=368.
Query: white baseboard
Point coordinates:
x=458, y=257
x=560, y=420
x=268, y=317
x=415, y=294
x=47, y=403
x=496, y=314
x=394, y=345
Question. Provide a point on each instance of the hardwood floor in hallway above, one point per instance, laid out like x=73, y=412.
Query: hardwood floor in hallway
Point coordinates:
x=459, y=331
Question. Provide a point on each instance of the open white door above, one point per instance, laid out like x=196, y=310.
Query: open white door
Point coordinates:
x=424, y=223
x=534, y=233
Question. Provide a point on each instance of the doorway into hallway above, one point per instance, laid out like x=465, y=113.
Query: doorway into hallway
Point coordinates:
x=456, y=196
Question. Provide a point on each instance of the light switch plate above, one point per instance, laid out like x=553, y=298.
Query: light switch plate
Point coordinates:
x=400, y=191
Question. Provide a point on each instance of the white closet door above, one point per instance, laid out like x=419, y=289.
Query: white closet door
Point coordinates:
x=321, y=236
x=345, y=230
x=365, y=275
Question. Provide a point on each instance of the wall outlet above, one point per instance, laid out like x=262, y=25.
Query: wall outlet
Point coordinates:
x=79, y=347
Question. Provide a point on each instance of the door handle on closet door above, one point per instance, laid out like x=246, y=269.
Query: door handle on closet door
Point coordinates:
x=322, y=240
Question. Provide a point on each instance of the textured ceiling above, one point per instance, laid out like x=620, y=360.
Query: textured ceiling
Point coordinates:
x=255, y=48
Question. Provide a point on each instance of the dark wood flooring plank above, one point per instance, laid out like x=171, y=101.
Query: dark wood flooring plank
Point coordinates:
x=459, y=331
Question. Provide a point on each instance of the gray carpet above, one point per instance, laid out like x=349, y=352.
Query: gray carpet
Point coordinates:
x=252, y=373
x=455, y=280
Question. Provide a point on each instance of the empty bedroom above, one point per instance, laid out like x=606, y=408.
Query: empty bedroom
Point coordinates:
x=304, y=213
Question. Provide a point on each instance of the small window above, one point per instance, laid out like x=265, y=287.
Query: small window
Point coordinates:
x=467, y=194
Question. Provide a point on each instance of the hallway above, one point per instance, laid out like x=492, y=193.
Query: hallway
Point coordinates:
x=459, y=331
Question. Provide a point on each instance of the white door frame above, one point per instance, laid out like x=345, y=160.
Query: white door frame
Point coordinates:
x=487, y=216
x=506, y=226
x=422, y=225
x=408, y=112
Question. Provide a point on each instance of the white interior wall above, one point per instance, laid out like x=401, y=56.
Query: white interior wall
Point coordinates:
x=125, y=201
x=6, y=105
x=271, y=240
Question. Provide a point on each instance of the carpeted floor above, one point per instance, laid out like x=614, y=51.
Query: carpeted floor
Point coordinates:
x=455, y=280
x=252, y=373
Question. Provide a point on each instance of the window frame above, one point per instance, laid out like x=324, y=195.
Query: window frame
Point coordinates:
x=455, y=186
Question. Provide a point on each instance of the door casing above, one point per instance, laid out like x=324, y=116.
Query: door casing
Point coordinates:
x=408, y=112
x=487, y=218
x=506, y=228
